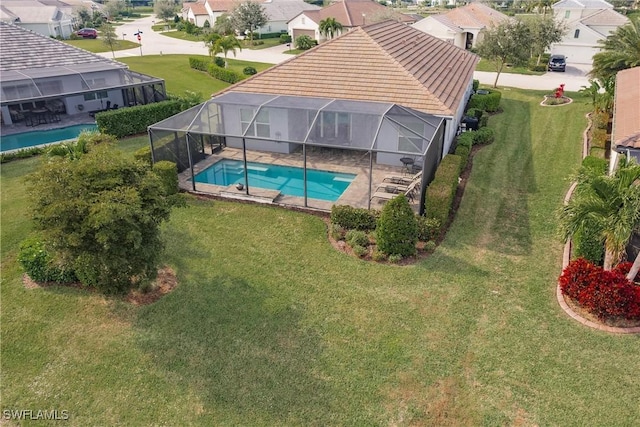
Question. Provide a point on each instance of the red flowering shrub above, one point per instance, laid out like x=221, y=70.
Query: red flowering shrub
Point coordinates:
x=624, y=268
x=603, y=293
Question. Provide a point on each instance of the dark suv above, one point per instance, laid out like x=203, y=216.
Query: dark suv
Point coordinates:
x=87, y=33
x=557, y=63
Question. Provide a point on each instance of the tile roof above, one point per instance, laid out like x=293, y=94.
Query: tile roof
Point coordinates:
x=284, y=10
x=626, y=125
x=196, y=8
x=31, y=11
x=222, y=5
x=582, y=4
x=25, y=50
x=474, y=15
x=350, y=13
x=605, y=17
x=387, y=61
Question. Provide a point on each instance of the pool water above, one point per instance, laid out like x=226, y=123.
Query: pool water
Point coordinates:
x=322, y=185
x=31, y=139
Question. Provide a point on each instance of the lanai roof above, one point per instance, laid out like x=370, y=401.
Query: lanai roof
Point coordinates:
x=384, y=62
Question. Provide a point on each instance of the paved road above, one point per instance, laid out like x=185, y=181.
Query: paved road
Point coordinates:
x=154, y=43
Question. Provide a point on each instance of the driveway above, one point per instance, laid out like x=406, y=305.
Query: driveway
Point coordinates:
x=154, y=43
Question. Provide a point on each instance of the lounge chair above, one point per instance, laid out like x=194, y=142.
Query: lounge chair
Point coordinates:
x=402, y=180
x=382, y=193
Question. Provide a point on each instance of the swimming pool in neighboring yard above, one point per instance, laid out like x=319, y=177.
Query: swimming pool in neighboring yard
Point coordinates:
x=322, y=185
x=19, y=141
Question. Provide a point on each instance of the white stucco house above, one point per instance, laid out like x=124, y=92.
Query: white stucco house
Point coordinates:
x=33, y=15
x=587, y=21
x=461, y=26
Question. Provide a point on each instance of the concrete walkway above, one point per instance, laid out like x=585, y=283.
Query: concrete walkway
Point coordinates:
x=154, y=43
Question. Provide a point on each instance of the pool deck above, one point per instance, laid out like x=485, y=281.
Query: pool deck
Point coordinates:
x=356, y=194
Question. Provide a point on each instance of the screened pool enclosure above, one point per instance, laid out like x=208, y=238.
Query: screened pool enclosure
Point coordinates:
x=369, y=139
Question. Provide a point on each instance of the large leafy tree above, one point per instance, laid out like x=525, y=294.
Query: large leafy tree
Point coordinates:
x=225, y=45
x=620, y=50
x=248, y=16
x=544, y=30
x=609, y=204
x=330, y=28
x=101, y=215
x=223, y=25
x=504, y=44
x=165, y=10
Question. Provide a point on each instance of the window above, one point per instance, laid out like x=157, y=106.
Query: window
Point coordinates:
x=567, y=14
x=260, y=127
x=96, y=95
x=576, y=34
x=303, y=20
x=335, y=126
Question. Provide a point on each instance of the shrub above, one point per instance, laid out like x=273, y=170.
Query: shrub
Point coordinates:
x=484, y=121
x=476, y=84
x=600, y=120
x=38, y=263
x=168, y=173
x=586, y=245
x=378, y=256
x=474, y=112
x=463, y=152
x=135, y=120
x=285, y=38
x=21, y=154
x=200, y=64
x=353, y=218
x=442, y=190
x=337, y=232
x=143, y=154
x=597, y=152
x=430, y=246
x=305, y=43
x=397, y=230
x=489, y=102
x=223, y=74
x=603, y=293
x=360, y=251
x=598, y=138
x=218, y=61
x=249, y=71
x=356, y=238
x=395, y=258
x=484, y=136
x=466, y=139
x=595, y=164
x=428, y=228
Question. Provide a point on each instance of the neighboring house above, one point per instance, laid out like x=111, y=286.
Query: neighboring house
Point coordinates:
x=587, y=21
x=39, y=72
x=40, y=18
x=625, y=135
x=349, y=13
x=279, y=12
x=462, y=26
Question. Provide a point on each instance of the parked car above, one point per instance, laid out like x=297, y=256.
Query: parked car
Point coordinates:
x=557, y=63
x=87, y=33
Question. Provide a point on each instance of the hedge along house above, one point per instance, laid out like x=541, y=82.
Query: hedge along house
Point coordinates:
x=386, y=93
x=43, y=74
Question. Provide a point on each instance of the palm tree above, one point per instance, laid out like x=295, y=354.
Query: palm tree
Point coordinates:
x=69, y=150
x=621, y=50
x=330, y=27
x=225, y=45
x=210, y=40
x=611, y=204
x=601, y=94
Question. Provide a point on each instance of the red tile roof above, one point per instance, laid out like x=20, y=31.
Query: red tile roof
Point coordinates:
x=387, y=61
x=626, y=122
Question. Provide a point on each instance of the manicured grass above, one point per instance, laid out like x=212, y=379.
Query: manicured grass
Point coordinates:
x=180, y=77
x=181, y=35
x=271, y=326
x=485, y=65
x=98, y=45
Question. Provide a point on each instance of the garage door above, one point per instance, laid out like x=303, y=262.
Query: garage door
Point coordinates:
x=297, y=33
x=575, y=54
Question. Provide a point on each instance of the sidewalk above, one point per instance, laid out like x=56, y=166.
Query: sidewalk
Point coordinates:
x=154, y=43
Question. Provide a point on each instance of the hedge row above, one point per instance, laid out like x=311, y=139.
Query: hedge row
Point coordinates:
x=135, y=120
x=352, y=218
x=214, y=69
x=442, y=190
x=489, y=102
x=603, y=293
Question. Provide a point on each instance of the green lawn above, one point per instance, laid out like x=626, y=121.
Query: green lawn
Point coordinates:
x=180, y=77
x=271, y=326
x=98, y=45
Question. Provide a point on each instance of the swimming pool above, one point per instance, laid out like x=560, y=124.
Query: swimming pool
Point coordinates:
x=322, y=185
x=31, y=139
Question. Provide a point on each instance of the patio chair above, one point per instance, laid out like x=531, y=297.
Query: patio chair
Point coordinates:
x=402, y=180
x=382, y=193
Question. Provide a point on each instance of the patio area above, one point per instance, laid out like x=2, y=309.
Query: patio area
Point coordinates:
x=65, y=120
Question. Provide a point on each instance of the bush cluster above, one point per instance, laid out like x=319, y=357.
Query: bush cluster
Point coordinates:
x=428, y=228
x=38, y=263
x=285, y=38
x=397, y=230
x=21, y=154
x=476, y=84
x=600, y=120
x=357, y=238
x=351, y=218
x=595, y=164
x=603, y=293
x=135, y=120
x=598, y=137
x=464, y=152
x=218, y=61
x=168, y=173
x=489, y=102
x=249, y=71
x=199, y=63
x=442, y=190
x=223, y=74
